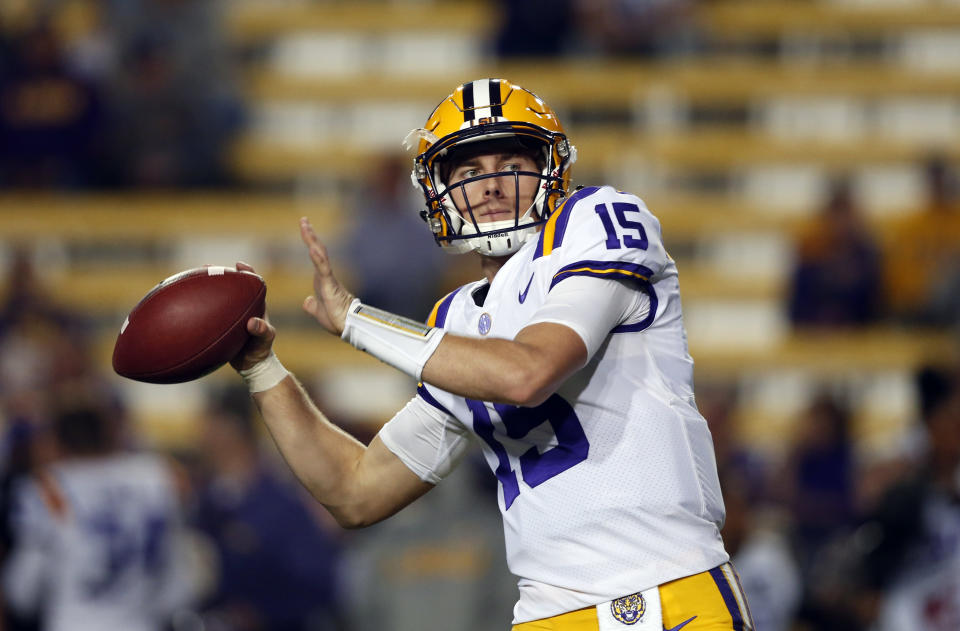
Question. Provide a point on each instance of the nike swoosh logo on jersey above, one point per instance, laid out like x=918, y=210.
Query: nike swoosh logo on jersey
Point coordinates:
x=681, y=625
x=523, y=294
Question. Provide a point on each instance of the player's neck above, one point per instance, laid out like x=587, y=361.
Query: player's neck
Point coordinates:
x=490, y=265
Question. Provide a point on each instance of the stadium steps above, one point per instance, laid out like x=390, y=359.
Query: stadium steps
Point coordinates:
x=252, y=21
x=751, y=19
x=25, y=216
x=121, y=217
x=249, y=22
x=719, y=150
x=620, y=83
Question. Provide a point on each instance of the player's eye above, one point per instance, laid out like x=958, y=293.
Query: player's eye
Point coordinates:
x=462, y=174
x=512, y=166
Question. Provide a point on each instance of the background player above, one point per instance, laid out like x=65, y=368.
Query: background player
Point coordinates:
x=98, y=534
x=568, y=361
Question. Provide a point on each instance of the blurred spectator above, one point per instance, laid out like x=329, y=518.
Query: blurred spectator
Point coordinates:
x=819, y=491
x=42, y=344
x=760, y=551
x=25, y=299
x=388, y=245
x=923, y=253
x=27, y=446
x=911, y=544
x=97, y=536
x=645, y=28
x=836, y=281
x=718, y=404
x=534, y=28
x=819, y=484
x=278, y=567
x=51, y=118
x=174, y=106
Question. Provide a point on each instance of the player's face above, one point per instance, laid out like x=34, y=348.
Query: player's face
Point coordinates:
x=494, y=198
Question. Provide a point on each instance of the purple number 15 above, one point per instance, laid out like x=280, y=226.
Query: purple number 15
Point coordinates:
x=537, y=467
x=634, y=236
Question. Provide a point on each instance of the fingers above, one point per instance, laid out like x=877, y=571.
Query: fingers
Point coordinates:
x=318, y=311
x=310, y=305
x=317, y=251
x=307, y=235
x=306, y=232
x=261, y=328
x=257, y=348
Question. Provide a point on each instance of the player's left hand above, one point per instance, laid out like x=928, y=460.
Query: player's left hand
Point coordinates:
x=262, y=334
x=330, y=301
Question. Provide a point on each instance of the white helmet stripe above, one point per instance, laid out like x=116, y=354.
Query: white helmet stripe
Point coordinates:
x=481, y=99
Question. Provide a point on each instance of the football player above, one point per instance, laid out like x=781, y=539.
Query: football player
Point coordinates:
x=567, y=361
x=99, y=538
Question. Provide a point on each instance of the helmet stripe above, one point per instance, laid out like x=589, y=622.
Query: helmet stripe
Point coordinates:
x=468, y=102
x=481, y=99
x=496, y=104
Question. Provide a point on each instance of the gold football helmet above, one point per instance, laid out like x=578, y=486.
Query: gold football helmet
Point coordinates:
x=498, y=116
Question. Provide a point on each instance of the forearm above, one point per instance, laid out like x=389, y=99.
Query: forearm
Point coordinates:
x=324, y=457
x=486, y=370
x=524, y=371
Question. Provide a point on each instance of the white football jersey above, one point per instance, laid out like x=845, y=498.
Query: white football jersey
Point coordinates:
x=96, y=545
x=610, y=486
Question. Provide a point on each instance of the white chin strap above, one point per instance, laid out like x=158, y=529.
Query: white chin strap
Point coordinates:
x=499, y=243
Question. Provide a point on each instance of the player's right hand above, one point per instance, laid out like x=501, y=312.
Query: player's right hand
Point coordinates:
x=262, y=334
x=330, y=301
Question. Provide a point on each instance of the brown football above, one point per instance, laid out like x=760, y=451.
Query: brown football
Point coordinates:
x=189, y=325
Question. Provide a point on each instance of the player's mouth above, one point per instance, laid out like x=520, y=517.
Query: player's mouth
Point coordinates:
x=494, y=214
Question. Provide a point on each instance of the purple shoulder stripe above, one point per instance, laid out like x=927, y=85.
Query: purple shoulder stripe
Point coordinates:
x=564, y=217
x=445, y=307
x=424, y=394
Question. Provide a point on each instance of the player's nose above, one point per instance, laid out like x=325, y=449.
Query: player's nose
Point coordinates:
x=493, y=187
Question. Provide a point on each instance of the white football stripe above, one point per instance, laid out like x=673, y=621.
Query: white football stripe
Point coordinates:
x=126, y=322
x=216, y=270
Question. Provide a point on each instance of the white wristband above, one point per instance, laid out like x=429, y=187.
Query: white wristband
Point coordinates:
x=265, y=374
x=400, y=342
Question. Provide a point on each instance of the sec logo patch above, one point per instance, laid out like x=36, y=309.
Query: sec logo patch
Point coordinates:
x=484, y=324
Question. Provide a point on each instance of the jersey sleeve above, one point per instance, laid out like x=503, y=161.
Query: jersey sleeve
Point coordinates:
x=612, y=303
x=607, y=234
x=428, y=440
x=603, y=233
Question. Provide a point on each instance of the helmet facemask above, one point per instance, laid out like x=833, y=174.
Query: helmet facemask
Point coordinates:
x=523, y=192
